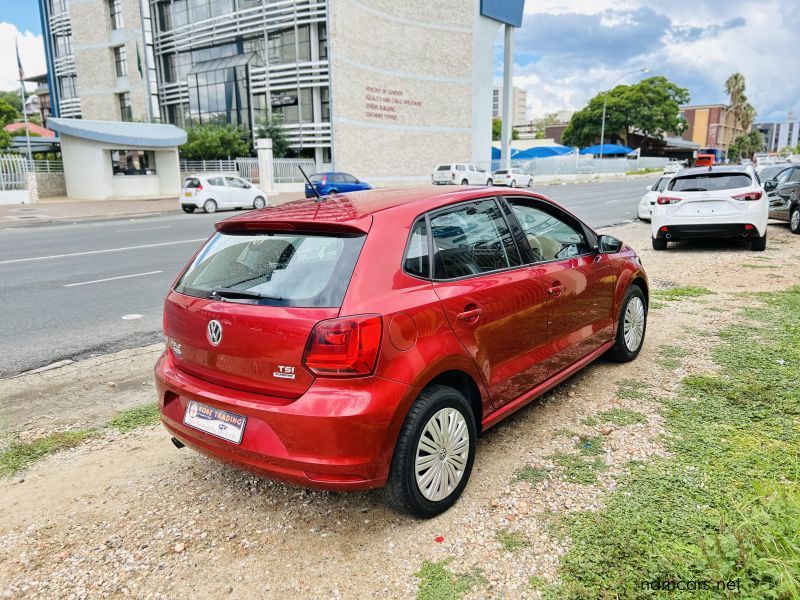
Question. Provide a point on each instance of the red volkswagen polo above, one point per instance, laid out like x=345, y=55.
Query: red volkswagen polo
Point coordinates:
x=365, y=340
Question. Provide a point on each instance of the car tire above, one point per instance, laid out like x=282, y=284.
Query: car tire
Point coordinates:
x=631, y=327
x=464, y=182
x=259, y=202
x=404, y=487
x=759, y=244
x=210, y=206
x=489, y=182
x=333, y=191
x=530, y=183
x=513, y=183
x=188, y=209
x=659, y=243
x=794, y=219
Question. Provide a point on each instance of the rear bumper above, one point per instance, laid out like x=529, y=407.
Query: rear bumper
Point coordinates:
x=707, y=230
x=339, y=435
x=716, y=226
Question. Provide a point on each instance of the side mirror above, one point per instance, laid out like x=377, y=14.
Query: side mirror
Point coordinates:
x=608, y=245
x=770, y=185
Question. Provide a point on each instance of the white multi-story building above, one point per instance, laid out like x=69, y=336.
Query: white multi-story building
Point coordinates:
x=519, y=105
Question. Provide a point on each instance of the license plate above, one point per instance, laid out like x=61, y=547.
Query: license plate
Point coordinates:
x=188, y=194
x=214, y=421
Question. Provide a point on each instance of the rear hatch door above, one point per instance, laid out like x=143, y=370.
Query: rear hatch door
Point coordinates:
x=708, y=195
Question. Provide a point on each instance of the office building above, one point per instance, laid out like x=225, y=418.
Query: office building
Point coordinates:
x=519, y=105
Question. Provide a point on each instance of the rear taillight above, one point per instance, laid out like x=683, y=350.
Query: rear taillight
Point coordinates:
x=668, y=200
x=199, y=187
x=344, y=347
x=748, y=196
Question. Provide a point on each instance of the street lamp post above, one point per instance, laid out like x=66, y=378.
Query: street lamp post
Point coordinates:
x=605, y=101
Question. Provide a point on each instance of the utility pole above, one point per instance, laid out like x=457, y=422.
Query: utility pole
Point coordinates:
x=605, y=101
x=508, y=97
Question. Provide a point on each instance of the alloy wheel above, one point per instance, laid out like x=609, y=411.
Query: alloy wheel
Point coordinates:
x=633, y=325
x=442, y=454
x=795, y=220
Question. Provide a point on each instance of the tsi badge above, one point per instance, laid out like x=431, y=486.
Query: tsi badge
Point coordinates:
x=284, y=372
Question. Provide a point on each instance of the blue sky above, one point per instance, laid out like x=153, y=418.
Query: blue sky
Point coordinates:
x=568, y=51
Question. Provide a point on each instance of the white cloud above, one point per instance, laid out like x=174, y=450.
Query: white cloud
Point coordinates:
x=31, y=50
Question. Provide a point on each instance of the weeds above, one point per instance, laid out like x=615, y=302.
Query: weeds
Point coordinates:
x=19, y=455
x=622, y=417
x=437, y=582
x=511, y=541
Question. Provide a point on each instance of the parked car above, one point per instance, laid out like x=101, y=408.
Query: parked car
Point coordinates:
x=711, y=202
x=783, y=192
x=214, y=191
x=645, y=208
x=367, y=341
x=461, y=174
x=672, y=167
x=513, y=178
x=335, y=183
x=769, y=172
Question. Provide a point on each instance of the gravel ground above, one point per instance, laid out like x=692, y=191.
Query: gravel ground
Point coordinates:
x=128, y=515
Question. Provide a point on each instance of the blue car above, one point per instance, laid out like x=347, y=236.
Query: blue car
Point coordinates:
x=335, y=183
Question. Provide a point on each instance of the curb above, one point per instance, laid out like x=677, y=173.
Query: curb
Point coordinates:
x=86, y=219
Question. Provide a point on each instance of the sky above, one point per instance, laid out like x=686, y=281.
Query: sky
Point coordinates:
x=568, y=51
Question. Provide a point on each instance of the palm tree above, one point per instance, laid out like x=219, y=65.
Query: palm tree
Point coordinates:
x=735, y=87
x=748, y=116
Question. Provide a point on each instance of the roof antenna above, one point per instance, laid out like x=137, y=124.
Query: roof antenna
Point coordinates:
x=316, y=193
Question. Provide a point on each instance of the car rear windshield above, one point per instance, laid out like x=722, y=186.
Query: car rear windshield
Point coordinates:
x=710, y=182
x=191, y=183
x=302, y=270
x=443, y=168
x=500, y=172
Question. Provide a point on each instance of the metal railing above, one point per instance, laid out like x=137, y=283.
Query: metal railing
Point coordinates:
x=575, y=164
x=13, y=172
x=285, y=170
x=46, y=166
x=208, y=166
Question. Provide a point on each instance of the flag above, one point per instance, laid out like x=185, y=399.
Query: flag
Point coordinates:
x=19, y=62
x=139, y=61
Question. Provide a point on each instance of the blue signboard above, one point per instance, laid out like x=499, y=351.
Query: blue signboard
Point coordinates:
x=505, y=11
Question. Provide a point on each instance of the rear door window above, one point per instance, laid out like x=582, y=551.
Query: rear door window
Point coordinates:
x=216, y=181
x=710, y=182
x=303, y=270
x=471, y=239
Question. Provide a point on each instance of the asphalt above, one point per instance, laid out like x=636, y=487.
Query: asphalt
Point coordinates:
x=70, y=291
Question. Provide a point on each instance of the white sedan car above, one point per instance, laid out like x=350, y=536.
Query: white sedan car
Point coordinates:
x=648, y=201
x=711, y=202
x=513, y=178
x=214, y=191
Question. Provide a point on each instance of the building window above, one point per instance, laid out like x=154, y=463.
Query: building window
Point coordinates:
x=68, y=87
x=115, y=11
x=325, y=98
x=63, y=44
x=59, y=6
x=282, y=48
x=133, y=162
x=220, y=97
x=125, y=110
x=293, y=106
x=323, y=41
x=121, y=61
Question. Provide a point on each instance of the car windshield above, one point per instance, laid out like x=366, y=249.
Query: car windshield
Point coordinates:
x=710, y=182
x=278, y=269
x=443, y=168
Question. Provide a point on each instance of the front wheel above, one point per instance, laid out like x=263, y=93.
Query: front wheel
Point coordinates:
x=631, y=326
x=434, y=454
x=513, y=183
x=259, y=202
x=210, y=206
x=464, y=182
x=530, y=183
x=759, y=244
x=794, y=220
x=188, y=209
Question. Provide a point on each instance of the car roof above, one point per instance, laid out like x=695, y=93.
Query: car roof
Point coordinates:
x=354, y=211
x=745, y=169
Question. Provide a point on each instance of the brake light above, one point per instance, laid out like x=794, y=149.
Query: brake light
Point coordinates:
x=199, y=187
x=748, y=196
x=668, y=200
x=344, y=347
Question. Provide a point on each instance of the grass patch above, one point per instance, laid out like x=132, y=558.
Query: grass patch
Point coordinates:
x=670, y=356
x=532, y=475
x=632, y=389
x=437, y=582
x=590, y=446
x=19, y=455
x=590, y=421
x=567, y=433
x=139, y=416
x=655, y=305
x=511, y=541
x=754, y=266
x=681, y=293
x=576, y=469
x=622, y=416
x=725, y=505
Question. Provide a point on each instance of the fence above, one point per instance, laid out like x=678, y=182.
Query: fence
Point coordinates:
x=13, y=172
x=208, y=166
x=575, y=164
x=284, y=170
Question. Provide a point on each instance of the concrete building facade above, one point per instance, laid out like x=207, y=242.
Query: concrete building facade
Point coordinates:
x=778, y=136
x=711, y=126
x=520, y=104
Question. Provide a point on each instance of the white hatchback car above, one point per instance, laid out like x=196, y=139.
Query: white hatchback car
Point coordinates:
x=461, y=173
x=711, y=202
x=214, y=191
x=672, y=167
x=648, y=201
x=513, y=178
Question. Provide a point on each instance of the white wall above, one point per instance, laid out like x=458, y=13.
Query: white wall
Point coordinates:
x=88, y=174
x=483, y=35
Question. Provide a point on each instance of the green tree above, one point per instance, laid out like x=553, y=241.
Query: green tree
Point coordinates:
x=8, y=114
x=649, y=107
x=212, y=142
x=497, y=130
x=13, y=99
x=272, y=128
x=746, y=145
x=743, y=112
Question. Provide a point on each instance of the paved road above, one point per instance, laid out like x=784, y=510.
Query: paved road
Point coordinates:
x=70, y=291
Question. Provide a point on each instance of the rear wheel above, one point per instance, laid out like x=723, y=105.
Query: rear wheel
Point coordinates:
x=188, y=209
x=434, y=454
x=631, y=327
x=794, y=220
x=659, y=244
x=333, y=191
x=759, y=244
x=210, y=206
x=259, y=202
x=530, y=183
x=489, y=182
x=464, y=182
x=513, y=183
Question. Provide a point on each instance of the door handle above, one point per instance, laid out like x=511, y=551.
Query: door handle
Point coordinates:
x=471, y=315
x=556, y=289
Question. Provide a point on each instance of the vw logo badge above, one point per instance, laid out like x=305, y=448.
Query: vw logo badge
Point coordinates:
x=214, y=332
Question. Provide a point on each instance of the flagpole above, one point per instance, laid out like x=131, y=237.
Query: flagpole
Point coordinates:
x=24, y=112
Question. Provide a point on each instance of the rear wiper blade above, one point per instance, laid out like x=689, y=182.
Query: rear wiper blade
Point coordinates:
x=224, y=292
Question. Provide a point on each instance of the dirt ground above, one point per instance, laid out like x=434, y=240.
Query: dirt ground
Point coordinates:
x=128, y=514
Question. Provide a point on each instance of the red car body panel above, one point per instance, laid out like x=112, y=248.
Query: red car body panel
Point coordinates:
x=539, y=324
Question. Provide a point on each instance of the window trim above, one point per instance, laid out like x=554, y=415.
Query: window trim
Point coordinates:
x=554, y=211
x=408, y=245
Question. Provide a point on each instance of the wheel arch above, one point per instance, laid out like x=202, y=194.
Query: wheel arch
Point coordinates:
x=464, y=383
